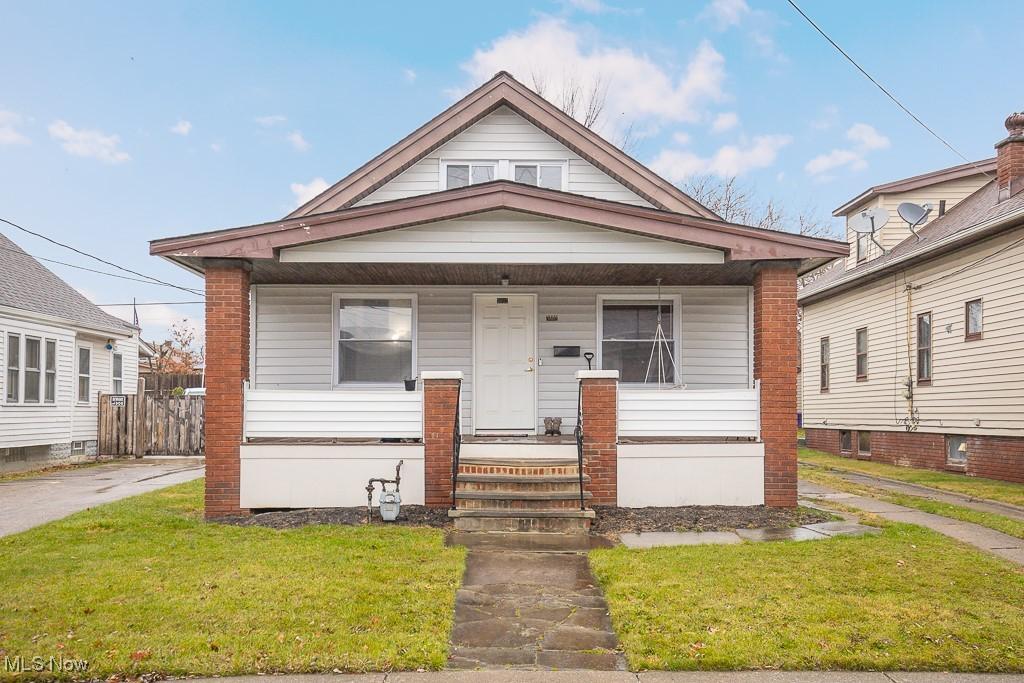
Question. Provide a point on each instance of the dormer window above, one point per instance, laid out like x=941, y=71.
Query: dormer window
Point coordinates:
x=469, y=173
x=463, y=173
x=541, y=175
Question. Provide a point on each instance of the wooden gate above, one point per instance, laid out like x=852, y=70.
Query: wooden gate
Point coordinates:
x=152, y=425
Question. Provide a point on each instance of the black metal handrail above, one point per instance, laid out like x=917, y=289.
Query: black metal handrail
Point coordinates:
x=578, y=433
x=456, y=440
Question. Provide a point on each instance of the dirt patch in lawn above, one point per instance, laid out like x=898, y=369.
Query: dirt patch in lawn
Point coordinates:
x=612, y=521
x=411, y=515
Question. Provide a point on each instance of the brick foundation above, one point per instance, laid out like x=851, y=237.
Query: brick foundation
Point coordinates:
x=775, y=360
x=600, y=438
x=227, y=368
x=440, y=401
x=993, y=457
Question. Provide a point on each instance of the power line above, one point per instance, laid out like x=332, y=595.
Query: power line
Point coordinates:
x=886, y=91
x=95, y=258
x=93, y=270
x=155, y=303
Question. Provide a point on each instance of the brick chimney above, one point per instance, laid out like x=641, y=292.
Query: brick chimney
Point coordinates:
x=1010, y=157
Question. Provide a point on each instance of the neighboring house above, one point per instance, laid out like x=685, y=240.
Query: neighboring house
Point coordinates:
x=147, y=354
x=58, y=352
x=487, y=254
x=916, y=356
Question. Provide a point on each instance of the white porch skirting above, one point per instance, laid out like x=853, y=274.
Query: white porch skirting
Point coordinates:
x=667, y=474
x=328, y=475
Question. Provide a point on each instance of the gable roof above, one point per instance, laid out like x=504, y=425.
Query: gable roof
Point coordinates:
x=505, y=90
x=27, y=285
x=740, y=242
x=978, y=216
x=918, y=181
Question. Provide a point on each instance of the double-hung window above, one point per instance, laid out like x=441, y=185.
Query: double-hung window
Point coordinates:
x=972, y=319
x=33, y=369
x=630, y=342
x=463, y=173
x=13, y=368
x=824, y=364
x=375, y=338
x=50, y=380
x=862, y=353
x=84, y=373
x=117, y=379
x=924, y=348
x=539, y=174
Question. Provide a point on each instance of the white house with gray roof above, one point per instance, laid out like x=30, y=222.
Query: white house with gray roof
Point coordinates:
x=58, y=353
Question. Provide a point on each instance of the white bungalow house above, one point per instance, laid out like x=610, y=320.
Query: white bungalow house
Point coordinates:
x=507, y=259
x=58, y=352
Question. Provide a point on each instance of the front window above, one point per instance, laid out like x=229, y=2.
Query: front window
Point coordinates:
x=469, y=173
x=50, y=382
x=862, y=353
x=13, y=367
x=84, y=373
x=541, y=175
x=973, y=319
x=924, y=348
x=118, y=374
x=33, y=368
x=824, y=369
x=375, y=340
x=631, y=344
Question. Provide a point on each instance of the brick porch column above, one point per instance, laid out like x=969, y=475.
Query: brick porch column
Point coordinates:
x=440, y=403
x=601, y=433
x=775, y=361
x=227, y=367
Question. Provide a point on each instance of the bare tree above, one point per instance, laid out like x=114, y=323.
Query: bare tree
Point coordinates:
x=736, y=202
x=585, y=102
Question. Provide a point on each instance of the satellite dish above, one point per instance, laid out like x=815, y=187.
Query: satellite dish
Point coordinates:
x=914, y=214
x=869, y=221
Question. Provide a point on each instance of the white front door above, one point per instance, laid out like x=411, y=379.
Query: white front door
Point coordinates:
x=505, y=368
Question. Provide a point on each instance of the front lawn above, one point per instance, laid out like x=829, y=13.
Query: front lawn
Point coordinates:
x=906, y=599
x=992, y=489
x=144, y=585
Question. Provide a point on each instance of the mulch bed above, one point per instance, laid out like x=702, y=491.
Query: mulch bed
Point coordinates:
x=612, y=521
x=411, y=515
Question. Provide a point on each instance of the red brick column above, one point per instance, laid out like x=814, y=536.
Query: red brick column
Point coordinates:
x=601, y=433
x=227, y=367
x=440, y=402
x=775, y=359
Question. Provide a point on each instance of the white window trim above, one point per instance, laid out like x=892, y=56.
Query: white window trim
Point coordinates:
x=336, y=298
x=563, y=163
x=21, y=362
x=79, y=375
x=677, y=330
x=442, y=182
x=56, y=373
x=113, y=378
x=39, y=370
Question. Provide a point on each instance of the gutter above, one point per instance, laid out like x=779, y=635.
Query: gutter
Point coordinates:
x=933, y=249
x=64, y=322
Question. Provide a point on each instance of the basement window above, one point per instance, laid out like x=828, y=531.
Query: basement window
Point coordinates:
x=864, y=443
x=845, y=441
x=956, y=450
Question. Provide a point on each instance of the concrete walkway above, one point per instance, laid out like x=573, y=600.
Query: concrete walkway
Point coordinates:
x=25, y=503
x=991, y=541
x=626, y=677
x=531, y=610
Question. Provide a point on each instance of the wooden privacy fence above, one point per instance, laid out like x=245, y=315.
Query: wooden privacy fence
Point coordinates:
x=162, y=384
x=151, y=425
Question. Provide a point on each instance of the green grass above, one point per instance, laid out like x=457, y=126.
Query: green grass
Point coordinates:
x=144, y=585
x=991, y=520
x=906, y=599
x=992, y=489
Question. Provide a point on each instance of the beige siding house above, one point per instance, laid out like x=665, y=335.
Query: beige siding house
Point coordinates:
x=915, y=356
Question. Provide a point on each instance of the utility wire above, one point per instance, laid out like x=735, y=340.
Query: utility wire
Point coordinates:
x=95, y=258
x=886, y=91
x=93, y=270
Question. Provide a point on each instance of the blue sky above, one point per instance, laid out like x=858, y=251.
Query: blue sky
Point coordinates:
x=121, y=123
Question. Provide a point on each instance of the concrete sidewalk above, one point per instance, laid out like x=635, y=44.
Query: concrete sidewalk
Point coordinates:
x=626, y=677
x=991, y=541
x=26, y=503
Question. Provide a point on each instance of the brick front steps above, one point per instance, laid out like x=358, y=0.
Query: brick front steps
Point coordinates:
x=520, y=494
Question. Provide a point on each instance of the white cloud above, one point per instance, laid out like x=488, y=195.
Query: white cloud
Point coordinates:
x=298, y=142
x=182, y=128
x=552, y=56
x=304, y=192
x=88, y=143
x=728, y=161
x=829, y=118
x=865, y=139
x=9, y=135
x=758, y=24
x=216, y=146
x=272, y=120
x=681, y=138
x=726, y=13
x=725, y=121
x=598, y=7
x=409, y=75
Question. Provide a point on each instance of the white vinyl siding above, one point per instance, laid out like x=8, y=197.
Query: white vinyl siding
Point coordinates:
x=293, y=341
x=977, y=386
x=501, y=237
x=504, y=135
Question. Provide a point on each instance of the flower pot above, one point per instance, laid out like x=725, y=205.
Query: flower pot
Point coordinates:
x=410, y=385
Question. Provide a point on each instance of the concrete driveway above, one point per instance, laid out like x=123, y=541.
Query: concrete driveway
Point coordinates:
x=25, y=503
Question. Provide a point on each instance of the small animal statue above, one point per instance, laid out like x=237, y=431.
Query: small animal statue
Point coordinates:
x=552, y=426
